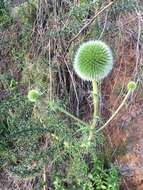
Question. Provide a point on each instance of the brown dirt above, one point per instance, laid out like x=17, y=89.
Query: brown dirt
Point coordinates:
x=126, y=131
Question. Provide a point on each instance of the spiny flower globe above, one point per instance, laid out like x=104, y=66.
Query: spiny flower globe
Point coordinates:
x=131, y=86
x=33, y=95
x=93, y=60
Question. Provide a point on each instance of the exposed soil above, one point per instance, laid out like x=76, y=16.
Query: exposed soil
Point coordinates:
x=126, y=131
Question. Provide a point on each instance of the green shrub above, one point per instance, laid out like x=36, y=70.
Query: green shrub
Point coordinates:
x=5, y=18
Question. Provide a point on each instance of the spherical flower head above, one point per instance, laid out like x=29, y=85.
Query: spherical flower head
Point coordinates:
x=33, y=95
x=93, y=60
x=131, y=86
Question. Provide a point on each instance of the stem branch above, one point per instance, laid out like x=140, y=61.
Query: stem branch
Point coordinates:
x=115, y=113
x=71, y=116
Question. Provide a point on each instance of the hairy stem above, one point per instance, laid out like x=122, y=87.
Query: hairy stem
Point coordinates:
x=95, y=107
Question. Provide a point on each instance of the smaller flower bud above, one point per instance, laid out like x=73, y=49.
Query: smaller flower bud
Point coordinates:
x=131, y=86
x=33, y=95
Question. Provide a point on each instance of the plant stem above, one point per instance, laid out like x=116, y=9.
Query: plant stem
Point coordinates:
x=71, y=116
x=95, y=107
x=115, y=113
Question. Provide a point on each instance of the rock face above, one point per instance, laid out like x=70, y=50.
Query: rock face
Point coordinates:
x=125, y=133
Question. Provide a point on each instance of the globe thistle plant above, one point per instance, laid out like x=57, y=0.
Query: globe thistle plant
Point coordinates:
x=93, y=62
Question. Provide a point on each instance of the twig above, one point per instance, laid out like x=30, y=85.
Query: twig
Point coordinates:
x=87, y=24
x=138, y=42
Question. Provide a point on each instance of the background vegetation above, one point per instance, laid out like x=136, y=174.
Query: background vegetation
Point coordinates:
x=37, y=45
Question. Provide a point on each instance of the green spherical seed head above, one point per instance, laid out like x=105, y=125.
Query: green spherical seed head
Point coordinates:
x=33, y=95
x=131, y=86
x=93, y=60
